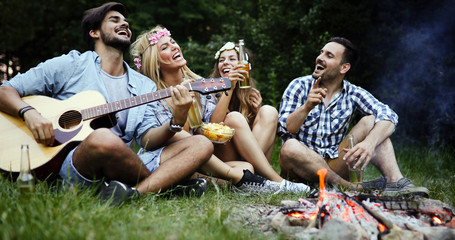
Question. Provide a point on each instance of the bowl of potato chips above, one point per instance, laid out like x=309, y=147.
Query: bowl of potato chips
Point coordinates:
x=217, y=133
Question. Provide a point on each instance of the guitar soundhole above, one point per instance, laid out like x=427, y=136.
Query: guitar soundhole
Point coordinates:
x=70, y=119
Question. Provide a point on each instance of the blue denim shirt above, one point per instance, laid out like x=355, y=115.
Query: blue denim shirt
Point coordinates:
x=64, y=76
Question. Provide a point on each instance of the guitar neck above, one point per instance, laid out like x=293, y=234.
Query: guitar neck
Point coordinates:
x=203, y=86
x=123, y=104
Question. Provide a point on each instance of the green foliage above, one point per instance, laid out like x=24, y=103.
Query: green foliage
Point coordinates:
x=38, y=30
x=196, y=19
x=404, y=45
x=199, y=57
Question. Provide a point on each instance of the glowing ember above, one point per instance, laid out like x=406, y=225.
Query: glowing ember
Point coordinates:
x=437, y=220
x=303, y=215
x=313, y=217
x=297, y=215
x=307, y=215
x=381, y=228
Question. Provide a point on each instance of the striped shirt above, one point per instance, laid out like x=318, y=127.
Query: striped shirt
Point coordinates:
x=325, y=127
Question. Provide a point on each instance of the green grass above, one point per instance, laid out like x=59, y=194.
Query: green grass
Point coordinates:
x=52, y=214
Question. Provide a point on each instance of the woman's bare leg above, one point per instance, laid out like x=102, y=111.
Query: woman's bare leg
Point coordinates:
x=247, y=146
x=264, y=129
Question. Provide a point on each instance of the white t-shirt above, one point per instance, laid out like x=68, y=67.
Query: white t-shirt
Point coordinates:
x=117, y=88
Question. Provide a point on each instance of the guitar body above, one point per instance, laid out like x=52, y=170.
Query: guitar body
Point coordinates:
x=15, y=132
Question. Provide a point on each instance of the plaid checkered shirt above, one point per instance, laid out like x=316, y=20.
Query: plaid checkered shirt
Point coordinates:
x=325, y=127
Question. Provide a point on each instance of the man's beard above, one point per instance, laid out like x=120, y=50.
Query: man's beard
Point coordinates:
x=120, y=44
x=328, y=75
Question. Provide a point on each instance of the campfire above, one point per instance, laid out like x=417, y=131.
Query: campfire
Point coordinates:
x=352, y=215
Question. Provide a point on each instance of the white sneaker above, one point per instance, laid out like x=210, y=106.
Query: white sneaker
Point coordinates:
x=293, y=187
x=251, y=183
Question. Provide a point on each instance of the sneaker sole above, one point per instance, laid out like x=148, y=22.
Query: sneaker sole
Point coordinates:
x=419, y=191
x=192, y=188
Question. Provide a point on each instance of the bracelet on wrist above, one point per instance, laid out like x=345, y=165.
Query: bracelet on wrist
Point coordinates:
x=22, y=111
x=174, y=127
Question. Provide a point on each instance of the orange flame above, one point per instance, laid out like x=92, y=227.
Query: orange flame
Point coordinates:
x=322, y=172
x=324, y=209
x=322, y=192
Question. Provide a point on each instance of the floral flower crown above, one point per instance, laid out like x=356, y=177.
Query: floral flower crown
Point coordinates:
x=227, y=46
x=153, y=40
x=137, y=62
x=158, y=35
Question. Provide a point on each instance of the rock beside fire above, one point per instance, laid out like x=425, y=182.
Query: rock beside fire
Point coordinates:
x=439, y=233
x=335, y=229
x=339, y=229
x=396, y=233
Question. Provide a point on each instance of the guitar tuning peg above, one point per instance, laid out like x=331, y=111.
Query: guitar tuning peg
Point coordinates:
x=225, y=92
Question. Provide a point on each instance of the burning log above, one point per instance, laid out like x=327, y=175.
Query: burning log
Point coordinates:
x=436, y=212
x=383, y=217
x=387, y=223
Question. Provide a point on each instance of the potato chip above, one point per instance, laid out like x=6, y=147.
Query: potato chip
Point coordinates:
x=217, y=133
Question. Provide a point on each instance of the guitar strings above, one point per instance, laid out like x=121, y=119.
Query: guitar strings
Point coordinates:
x=75, y=116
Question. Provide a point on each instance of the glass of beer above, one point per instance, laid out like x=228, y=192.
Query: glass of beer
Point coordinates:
x=355, y=175
x=243, y=60
x=195, y=114
x=246, y=82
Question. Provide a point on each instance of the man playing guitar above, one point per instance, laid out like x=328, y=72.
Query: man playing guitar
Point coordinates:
x=105, y=155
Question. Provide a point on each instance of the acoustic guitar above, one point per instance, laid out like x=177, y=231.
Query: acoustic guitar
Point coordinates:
x=73, y=120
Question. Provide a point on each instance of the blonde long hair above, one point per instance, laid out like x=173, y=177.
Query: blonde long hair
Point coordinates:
x=150, y=59
x=239, y=100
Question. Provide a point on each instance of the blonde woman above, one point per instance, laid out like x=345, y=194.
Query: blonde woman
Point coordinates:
x=158, y=56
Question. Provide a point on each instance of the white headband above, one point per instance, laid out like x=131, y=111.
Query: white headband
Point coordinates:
x=227, y=46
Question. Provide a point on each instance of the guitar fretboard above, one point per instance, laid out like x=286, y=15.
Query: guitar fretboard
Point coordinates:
x=204, y=86
x=123, y=104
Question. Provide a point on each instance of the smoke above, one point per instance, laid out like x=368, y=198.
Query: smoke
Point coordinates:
x=420, y=80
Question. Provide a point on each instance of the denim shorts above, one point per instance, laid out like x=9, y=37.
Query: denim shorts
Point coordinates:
x=71, y=176
x=151, y=159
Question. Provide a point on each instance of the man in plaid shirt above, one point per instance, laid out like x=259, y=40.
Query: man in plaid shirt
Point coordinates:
x=314, y=117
